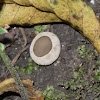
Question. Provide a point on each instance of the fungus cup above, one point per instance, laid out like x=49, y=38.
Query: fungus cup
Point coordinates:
x=45, y=48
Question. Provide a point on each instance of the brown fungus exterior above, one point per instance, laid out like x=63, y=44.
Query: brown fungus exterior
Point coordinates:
x=45, y=48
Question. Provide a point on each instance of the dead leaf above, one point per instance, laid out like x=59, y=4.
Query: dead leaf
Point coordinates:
x=9, y=85
x=76, y=12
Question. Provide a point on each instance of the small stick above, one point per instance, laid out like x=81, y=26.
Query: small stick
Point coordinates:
x=48, y=27
x=18, y=55
x=24, y=36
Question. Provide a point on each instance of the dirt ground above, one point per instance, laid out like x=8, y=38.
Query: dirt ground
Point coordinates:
x=61, y=70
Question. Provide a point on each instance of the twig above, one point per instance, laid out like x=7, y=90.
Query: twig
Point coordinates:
x=24, y=36
x=48, y=27
x=18, y=55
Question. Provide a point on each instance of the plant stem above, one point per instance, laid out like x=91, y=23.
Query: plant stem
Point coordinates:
x=15, y=75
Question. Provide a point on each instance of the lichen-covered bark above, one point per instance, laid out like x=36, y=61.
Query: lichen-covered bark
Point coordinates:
x=76, y=12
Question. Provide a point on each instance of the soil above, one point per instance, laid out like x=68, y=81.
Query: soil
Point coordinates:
x=62, y=69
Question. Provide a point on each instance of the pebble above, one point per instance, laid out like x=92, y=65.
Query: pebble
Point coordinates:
x=92, y=1
x=15, y=48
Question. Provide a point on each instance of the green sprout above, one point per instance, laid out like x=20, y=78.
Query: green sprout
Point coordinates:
x=51, y=93
x=29, y=68
x=2, y=30
x=96, y=75
x=40, y=28
x=83, y=52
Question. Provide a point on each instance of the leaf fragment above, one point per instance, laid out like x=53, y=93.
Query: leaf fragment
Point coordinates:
x=76, y=12
x=9, y=85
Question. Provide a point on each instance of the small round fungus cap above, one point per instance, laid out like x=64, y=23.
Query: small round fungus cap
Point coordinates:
x=45, y=48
